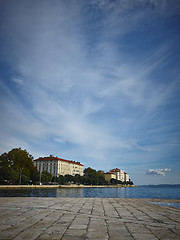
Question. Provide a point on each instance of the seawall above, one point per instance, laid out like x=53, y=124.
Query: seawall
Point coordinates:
x=61, y=186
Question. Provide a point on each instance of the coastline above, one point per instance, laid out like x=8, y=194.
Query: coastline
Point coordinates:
x=62, y=186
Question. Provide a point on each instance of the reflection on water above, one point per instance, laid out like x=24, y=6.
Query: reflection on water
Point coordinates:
x=94, y=192
x=70, y=192
x=42, y=192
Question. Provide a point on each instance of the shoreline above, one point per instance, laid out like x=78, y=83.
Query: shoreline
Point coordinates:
x=62, y=186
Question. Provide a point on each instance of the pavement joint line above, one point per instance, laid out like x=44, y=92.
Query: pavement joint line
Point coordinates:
x=67, y=228
x=77, y=213
x=153, y=234
x=113, y=217
x=31, y=225
x=154, y=219
x=106, y=220
x=50, y=225
x=89, y=219
x=144, y=222
x=129, y=231
x=115, y=210
x=25, y=218
x=138, y=218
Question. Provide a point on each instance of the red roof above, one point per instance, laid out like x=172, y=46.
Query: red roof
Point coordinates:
x=56, y=158
x=115, y=170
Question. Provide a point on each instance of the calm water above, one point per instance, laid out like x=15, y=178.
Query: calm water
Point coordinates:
x=159, y=192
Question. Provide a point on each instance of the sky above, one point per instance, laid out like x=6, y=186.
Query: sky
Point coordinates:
x=93, y=81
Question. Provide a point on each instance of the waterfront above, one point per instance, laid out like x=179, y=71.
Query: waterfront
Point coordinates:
x=158, y=192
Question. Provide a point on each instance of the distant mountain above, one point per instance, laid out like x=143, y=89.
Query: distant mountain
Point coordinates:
x=163, y=185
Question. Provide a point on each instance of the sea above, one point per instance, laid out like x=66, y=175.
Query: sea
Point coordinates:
x=148, y=191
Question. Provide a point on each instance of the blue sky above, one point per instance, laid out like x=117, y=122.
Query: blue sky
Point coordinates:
x=93, y=81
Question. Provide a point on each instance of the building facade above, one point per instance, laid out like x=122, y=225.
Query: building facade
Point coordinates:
x=108, y=176
x=58, y=166
x=120, y=175
x=126, y=177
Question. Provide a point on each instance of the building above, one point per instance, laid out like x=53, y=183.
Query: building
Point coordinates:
x=120, y=175
x=126, y=177
x=108, y=176
x=58, y=166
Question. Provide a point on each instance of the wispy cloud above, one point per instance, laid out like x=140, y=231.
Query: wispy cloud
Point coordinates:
x=18, y=80
x=90, y=79
x=134, y=83
x=162, y=172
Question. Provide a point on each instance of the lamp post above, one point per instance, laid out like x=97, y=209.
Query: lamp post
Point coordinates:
x=40, y=178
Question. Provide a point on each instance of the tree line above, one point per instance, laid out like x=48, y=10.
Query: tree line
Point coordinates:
x=16, y=167
x=90, y=177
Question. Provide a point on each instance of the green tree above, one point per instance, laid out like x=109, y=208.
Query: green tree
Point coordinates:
x=61, y=179
x=34, y=175
x=8, y=175
x=115, y=181
x=46, y=177
x=69, y=178
x=93, y=177
x=90, y=172
x=21, y=159
x=4, y=161
x=78, y=179
x=101, y=178
x=25, y=179
x=17, y=166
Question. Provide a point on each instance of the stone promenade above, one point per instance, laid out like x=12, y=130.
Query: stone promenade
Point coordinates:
x=87, y=218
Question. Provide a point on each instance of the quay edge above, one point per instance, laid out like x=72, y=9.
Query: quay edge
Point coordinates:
x=61, y=186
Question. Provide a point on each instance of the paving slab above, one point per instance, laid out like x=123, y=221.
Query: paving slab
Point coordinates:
x=87, y=218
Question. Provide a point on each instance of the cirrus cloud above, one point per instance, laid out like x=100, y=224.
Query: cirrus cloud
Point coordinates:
x=96, y=81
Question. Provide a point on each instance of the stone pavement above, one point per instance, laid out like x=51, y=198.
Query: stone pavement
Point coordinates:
x=87, y=218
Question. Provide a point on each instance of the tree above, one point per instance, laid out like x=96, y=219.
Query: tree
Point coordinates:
x=4, y=161
x=93, y=177
x=89, y=172
x=78, y=179
x=115, y=181
x=25, y=179
x=69, y=178
x=17, y=166
x=34, y=175
x=101, y=178
x=61, y=179
x=8, y=175
x=46, y=177
x=130, y=183
x=21, y=159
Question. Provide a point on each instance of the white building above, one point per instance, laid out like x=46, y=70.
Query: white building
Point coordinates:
x=58, y=166
x=120, y=175
x=126, y=177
